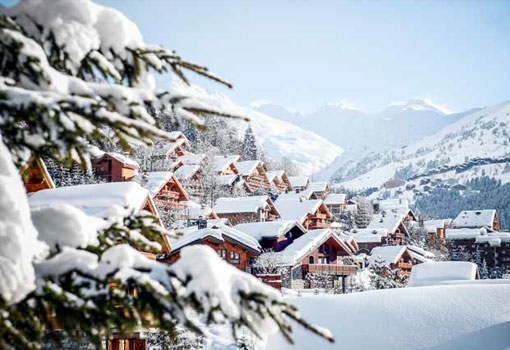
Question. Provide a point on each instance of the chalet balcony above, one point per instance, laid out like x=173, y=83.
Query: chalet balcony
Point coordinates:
x=331, y=269
x=320, y=216
x=281, y=188
x=406, y=266
x=318, y=225
x=168, y=195
x=171, y=204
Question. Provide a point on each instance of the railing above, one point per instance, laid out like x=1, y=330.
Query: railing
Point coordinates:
x=320, y=216
x=169, y=194
x=318, y=225
x=401, y=265
x=332, y=269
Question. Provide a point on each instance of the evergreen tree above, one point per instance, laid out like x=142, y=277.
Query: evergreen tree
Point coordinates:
x=364, y=212
x=250, y=151
x=55, y=101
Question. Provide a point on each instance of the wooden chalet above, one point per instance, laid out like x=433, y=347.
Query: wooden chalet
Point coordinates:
x=279, y=181
x=273, y=235
x=115, y=167
x=394, y=257
x=320, y=189
x=246, y=209
x=196, y=211
x=36, y=177
x=299, y=183
x=190, y=176
x=318, y=251
x=98, y=200
x=336, y=204
x=171, y=149
x=312, y=214
x=487, y=219
x=436, y=229
x=234, y=246
x=226, y=165
x=166, y=190
x=254, y=173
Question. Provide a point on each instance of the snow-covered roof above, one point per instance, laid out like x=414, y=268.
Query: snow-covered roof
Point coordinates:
x=186, y=172
x=305, y=194
x=369, y=235
x=420, y=254
x=194, y=210
x=223, y=162
x=291, y=209
x=156, y=180
x=192, y=159
x=434, y=273
x=177, y=135
x=234, y=205
x=226, y=180
x=168, y=147
x=388, y=204
x=464, y=233
x=494, y=238
x=247, y=167
x=94, y=199
x=431, y=226
x=335, y=198
x=193, y=234
x=125, y=160
x=387, y=255
x=304, y=245
x=318, y=186
x=389, y=220
x=299, y=181
x=474, y=218
x=271, y=175
x=269, y=229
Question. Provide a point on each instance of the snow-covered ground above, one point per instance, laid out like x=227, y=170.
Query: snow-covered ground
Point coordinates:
x=466, y=316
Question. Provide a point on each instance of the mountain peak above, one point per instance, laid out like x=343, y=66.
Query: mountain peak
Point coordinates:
x=417, y=104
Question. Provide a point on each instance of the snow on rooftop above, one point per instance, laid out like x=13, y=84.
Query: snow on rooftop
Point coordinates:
x=369, y=235
x=156, y=180
x=226, y=180
x=335, y=198
x=389, y=220
x=467, y=317
x=124, y=159
x=195, y=210
x=318, y=186
x=271, y=175
x=299, y=181
x=431, y=226
x=247, y=167
x=494, y=238
x=300, y=247
x=251, y=204
x=168, y=147
x=464, y=233
x=387, y=255
x=94, y=199
x=474, y=218
x=217, y=231
x=186, y=172
x=388, y=204
x=269, y=229
x=222, y=162
x=305, y=194
x=434, y=273
x=192, y=159
x=295, y=209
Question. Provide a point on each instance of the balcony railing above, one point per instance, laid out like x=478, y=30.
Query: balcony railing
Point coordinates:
x=165, y=194
x=332, y=269
x=402, y=265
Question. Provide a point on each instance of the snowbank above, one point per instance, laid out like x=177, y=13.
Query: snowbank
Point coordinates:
x=439, y=318
x=435, y=273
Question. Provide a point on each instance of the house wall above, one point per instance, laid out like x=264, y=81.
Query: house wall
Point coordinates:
x=119, y=172
x=228, y=247
x=34, y=179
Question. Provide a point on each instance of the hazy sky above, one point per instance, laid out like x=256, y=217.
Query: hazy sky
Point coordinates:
x=363, y=53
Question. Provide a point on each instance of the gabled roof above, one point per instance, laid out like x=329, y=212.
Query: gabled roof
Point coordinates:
x=220, y=233
x=194, y=211
x=95, y=199
x=125, y=160
x=299, y=181
x=226, y=180
x=335, y=198
x=192, y=159
x=243, y=205
x=369, y=235
x=305, y=194
x=307, y=243
x=157, y=179
x=318, y=186
x=186, y=172
x=420, y=254
x=474, y=218
x=431, y=226
x=269, y=229
x=272, y=174
x=247, y=167
x=36, y=176
x=178, y=135
x=387, y=255
x=223, y=162
x=389, y=220
x=165, y=149
x=292, y=209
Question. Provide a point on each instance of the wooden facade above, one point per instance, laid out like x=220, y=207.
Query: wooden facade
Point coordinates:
x=36, y=177
x=111, y=169
x=257, y=180
x=171, y=195
x=318, y=219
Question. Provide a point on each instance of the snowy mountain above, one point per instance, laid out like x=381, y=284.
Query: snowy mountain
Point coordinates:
x=278, y=138
x=477, y=144
x=360, y=133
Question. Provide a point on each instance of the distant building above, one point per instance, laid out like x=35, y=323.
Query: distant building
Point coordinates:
x=299, y=183
x=240, y=210
x=35, y=176
x=312, y=214
x=394, y=257
x=115, y=167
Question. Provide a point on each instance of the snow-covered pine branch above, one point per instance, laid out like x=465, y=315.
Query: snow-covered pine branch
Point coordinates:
x=72, y=71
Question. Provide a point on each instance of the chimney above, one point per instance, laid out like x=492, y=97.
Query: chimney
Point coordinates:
x=201, y=224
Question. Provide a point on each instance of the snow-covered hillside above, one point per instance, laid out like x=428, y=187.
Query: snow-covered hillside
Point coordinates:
x=279, y=139
x=459, y=149
x=467, y=316
x=360, y=133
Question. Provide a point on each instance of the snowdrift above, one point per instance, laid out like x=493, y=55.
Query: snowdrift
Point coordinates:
x=474, y=316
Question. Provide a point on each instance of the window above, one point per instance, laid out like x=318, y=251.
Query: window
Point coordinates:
x=325, y=248
x=234, y=258
x=311, y=260
x=323, y=261
x=222, y=253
